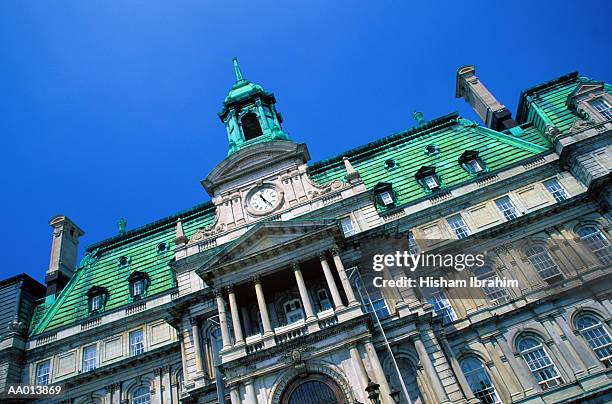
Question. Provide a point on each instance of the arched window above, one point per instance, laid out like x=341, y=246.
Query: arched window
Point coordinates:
x=543, y=263
x=597, y=243
x=479, y=381
x=408, y=372
x=538, y=361
x=496, y=294
x=371, y=300
x=596, y=335
x=141, y=395
x=250, y=126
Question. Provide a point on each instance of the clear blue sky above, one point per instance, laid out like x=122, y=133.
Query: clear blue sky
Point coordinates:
x=108, y=108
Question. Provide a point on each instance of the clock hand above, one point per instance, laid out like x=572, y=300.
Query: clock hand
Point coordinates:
x=264, y=199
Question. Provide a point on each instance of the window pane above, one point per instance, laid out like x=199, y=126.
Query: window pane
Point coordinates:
x=603, y=108
x=136, y=342
x=386, y=198
x=458, y=227
x=597, y=243
x=542, y=262
x=596, y=335
x=42, y=373
x=347, y=226
x=479, y=381
x=430, y=182
x=141, y=396
x=496, y=295
x=556, y=190
x=506, y=207
x=442, y=306
x=89, y=358
x=539, y=362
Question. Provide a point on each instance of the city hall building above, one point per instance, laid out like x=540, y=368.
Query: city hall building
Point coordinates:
x=265, y=294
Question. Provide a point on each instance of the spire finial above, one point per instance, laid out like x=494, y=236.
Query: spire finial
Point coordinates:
x=418, y=116
x=237, y=70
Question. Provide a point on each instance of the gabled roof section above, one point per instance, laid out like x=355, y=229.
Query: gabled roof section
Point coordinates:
x=101, y=268
x=452, y=135
x=546, y=104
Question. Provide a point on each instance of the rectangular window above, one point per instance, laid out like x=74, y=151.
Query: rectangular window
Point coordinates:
x=42, y=373
x=347, y=226
x=474, y=166
x=430, y=182
x=441, y=305
x=96, y=302
x=136, y=342
x=556, y=190
x=603, y=108
x=458, y=226
x=90, y=355
x=386, y=198
x=506, y=207
x=138, y=288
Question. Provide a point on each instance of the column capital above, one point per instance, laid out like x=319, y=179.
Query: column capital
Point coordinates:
x=194, y=320
x=230, y=288
x=257, y=279
x=217, y=292
x=295, y=266
x=322, y=256
x=334, y=251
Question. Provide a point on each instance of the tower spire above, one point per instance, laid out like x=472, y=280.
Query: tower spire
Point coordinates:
x=239, y=76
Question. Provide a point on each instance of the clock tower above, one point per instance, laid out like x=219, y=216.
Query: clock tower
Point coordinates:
x=265, y=174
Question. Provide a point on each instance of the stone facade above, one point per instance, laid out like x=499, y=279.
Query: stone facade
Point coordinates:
x=271, y=298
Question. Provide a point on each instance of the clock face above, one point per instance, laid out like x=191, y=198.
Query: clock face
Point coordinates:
x=264, y=199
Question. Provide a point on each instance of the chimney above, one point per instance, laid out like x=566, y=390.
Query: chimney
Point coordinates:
x=493, y=114
x=64, y=251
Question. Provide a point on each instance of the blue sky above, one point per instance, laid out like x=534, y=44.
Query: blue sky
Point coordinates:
x=108, y=108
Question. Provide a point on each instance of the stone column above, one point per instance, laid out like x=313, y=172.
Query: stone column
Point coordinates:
x=331, y=283
x=346, y=284
x=463, y=383
x=166, y=385
x=238, y=337
x=358, y=363
x=195, y=331
x=303, y=293
x=181, y=336
x=235, y=394
x=379, y=374
x=223, y=320
x=263, y=308
x=251, y=396
x=517, y=365
x=116, y=395
x=429, y=368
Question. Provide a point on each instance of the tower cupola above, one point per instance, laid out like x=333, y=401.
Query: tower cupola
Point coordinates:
x=249, y=114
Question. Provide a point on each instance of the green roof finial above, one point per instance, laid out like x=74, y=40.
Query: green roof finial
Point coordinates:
x=239, y=76
x=121, y=225
x=418, y=116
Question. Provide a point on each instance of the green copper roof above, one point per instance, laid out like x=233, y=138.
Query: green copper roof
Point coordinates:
x=102, y=269
x=545, y=104
x=451, y=135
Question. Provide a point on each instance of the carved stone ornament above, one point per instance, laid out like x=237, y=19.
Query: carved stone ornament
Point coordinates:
x=18, y=327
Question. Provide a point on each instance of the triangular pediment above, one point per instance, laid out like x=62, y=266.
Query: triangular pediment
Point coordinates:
x=582, y=90
x=254, y=158
x=272, y=238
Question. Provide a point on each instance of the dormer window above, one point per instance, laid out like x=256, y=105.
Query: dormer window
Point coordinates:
x=471, y=162
x=97, y=299
x=427, y=177
x=603, y=107
x=139, y=281
x=384, y=194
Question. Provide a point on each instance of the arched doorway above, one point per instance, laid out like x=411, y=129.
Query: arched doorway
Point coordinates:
x=313, y=389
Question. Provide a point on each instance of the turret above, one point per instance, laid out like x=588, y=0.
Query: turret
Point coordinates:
x=249, y=114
